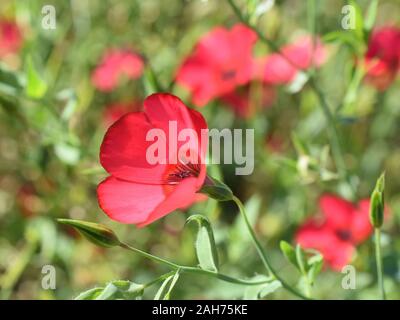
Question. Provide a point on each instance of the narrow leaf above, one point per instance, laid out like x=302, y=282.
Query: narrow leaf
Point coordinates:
x=36, y=87
x=289, y=252
x=206, y=250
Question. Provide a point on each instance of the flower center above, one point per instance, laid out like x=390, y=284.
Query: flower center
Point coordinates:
x=228, y=74
x=182, y=171
x=344, y=235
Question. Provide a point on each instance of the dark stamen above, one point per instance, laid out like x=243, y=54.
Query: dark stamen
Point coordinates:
x=344, y=235
x=228, y=75
x=183, y=171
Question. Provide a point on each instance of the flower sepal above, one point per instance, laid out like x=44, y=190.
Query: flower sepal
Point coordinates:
x=216, y=189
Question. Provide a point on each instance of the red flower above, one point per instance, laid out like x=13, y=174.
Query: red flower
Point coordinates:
x=10, y=38
x=302, y=54
x=383, y=57
x=343, y=227
x=137, y=191
x=115, y=64
x=116, y=110
x=221, y=61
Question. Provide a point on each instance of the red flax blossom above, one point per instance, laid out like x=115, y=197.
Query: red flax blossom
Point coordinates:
x=383, y=57
x=10, y=38
x=221, y=61
x=343, y=227
x=115, y=64
x=137, y=191
x=282, y=67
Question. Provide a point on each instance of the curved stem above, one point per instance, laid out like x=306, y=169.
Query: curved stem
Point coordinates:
x=261, y=252
x=379, y=265
x=159, y=279
x=193, y=270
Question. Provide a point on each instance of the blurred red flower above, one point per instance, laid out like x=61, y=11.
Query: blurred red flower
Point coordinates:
x=282, y=67
x=115, y=64
x=116, y=110
x=343, y=227
x=383, y=57
x=10, y=38
x=139, y=192
x=221, y=61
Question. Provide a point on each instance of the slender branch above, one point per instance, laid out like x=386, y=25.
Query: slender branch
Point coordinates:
x=262, y=254
x=192, y=270
x=379, y=264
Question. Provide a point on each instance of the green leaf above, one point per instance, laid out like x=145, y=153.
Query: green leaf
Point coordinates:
x=117, y=289
x=36, y=87
x=121, y=289
x=90, y=294
x=315, y=262
x=289, y=252
x=301, y=260
x=359, y=25
x=371, y=15
x=174, y=280
x=162, y=291
x=206, y=250
x=94, y=232
x=261, y=291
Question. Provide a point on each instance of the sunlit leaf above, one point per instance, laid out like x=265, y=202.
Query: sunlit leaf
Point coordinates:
x=36, y=87
x=261, y=291
x=206, y=250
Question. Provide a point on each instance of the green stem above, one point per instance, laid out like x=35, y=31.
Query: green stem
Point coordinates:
x=379, y=264
x=159, y=279
x=261, y=252
x=332, y=130
x=192, y=270
x=307, y=286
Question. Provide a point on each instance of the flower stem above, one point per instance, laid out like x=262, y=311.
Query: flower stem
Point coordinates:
x=379, y=264
x=261, y=252
x=192, y=270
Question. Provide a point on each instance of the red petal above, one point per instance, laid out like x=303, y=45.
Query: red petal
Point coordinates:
x=336, y=253
x=123, y=151
x=219, y=52
x=278, y=70
x=141, y=204
x=338, y=212
x=361, y=227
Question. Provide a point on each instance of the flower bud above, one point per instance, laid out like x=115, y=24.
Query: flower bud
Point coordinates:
x=377, y=203
x=94, y=232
